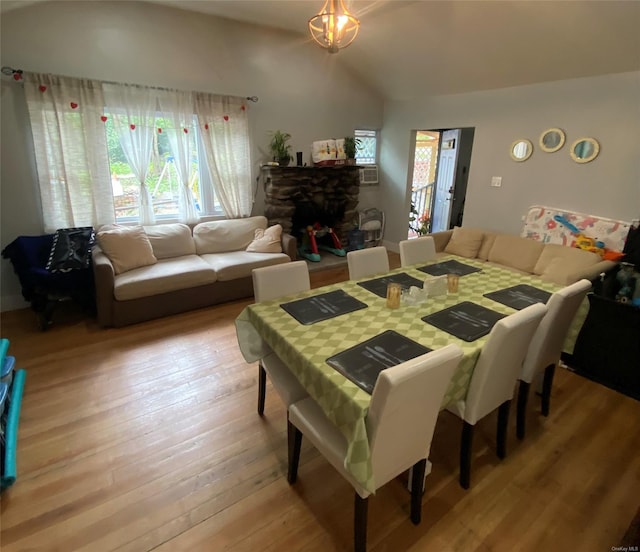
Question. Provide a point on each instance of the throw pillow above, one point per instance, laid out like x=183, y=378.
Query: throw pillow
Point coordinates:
x=127, y=247
x=465, y=242
x=267, y=241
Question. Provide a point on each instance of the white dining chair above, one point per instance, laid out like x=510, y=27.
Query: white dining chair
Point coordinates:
x=367, y=262
x=546, y=348
x=493, y=381
x=400, y=422
x=272, y=282
x=417, y=250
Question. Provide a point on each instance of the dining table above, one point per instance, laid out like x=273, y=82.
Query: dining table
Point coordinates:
x=308, y=346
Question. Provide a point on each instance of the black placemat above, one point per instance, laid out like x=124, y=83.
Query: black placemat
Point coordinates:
x=449, y=267
x=466, y=320
x=322, y=307
x=520, y=296
x=379, y=285
x=363, y=362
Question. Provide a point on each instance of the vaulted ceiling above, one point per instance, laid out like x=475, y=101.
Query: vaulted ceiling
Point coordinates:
x=411, y=48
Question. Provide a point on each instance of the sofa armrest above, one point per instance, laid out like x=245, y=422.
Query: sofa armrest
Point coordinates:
x=289, y=246
x=104, y=276
x=591, y=273
x=441, y=239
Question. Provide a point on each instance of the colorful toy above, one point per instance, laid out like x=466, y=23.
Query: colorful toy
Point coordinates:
x=310, y=245
x=582, y=241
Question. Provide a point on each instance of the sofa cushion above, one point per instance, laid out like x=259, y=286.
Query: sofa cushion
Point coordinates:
x=465, y=242
x=226, y=235
x=127, y=247
x=515, y=252
x=164, y=276
x=239, y=264
x=557, y=262
x=170, y=240
x=267, y=241
x=487, y=244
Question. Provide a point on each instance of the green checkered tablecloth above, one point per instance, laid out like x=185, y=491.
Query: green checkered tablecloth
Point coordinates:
x=305, y=349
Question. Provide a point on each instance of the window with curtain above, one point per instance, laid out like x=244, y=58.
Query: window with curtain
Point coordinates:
x=164, y=177
x=108, y=152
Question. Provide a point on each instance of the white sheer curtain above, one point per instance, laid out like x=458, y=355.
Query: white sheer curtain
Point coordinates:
x=223, y=122
x=70, y=149
x=134, y=112
x=177, y=107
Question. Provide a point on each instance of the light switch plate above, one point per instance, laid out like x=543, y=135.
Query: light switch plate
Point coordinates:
x=496, y=181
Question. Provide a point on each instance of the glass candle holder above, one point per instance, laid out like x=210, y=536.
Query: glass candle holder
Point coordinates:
x=452, y=283
x=394, y=291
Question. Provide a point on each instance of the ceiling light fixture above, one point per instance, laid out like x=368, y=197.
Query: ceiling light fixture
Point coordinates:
x=334, y=27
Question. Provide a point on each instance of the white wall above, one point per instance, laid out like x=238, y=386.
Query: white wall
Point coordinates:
x=302, y=89
x=606, y=108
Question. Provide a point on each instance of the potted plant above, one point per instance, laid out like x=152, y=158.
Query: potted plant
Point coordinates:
x=280, y=148
x=351, y=144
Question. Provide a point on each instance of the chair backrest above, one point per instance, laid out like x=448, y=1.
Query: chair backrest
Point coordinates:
x=500, y=362
x=547, y=342
x=404, y=408
x=417, y=250
x=271, y=282
x=366, y=262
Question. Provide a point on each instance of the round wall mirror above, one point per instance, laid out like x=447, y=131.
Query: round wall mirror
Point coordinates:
x=584, y=150
x=521, y=150
x=552, y=140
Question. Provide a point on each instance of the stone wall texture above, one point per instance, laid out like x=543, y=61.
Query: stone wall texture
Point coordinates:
x=291, y=192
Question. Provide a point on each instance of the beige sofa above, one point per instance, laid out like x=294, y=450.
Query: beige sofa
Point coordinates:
x=551, y=262
x=170, y=268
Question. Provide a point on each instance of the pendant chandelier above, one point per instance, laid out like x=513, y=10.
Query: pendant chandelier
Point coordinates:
x=334, y=27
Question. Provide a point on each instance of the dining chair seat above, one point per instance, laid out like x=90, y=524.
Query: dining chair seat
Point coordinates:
x=546, y=347
x=367, y=262
x=273, y=282
x=400, y=423
x=493, y=381
x=417, y=250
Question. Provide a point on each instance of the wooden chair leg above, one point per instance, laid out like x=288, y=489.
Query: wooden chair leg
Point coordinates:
x=262, y=388
x=465, y=455
x=417, y=480
x=360, y=523
x=294, y=438
x=523, y=397
x=547, y=382
x=503, y=421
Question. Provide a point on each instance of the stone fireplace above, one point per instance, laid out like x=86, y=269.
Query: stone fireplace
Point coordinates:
x=299, y=196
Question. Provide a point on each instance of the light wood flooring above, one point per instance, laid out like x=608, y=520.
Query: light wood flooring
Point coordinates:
x=147, y=438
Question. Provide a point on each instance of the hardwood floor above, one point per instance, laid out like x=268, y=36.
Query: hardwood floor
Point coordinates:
x=147, y=438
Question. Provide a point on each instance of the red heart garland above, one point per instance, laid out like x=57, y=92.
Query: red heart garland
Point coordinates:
x=226, y=117
x=103, y=119
x=159, y=131
x=132, y=127
x=206, y=126
x=186, y=130
x=42, y=88
x=243, y=108
x=73, y=105
x=17, y=76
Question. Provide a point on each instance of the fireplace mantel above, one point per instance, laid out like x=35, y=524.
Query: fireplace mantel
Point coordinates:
x=286, y=187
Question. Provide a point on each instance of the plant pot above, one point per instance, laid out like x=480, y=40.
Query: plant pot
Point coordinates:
x=284, y=162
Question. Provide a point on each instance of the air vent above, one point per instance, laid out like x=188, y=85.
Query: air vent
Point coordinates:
x=368, y=175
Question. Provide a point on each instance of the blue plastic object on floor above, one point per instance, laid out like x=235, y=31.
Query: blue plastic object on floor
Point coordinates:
x=6, y=369
x=11, y=431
